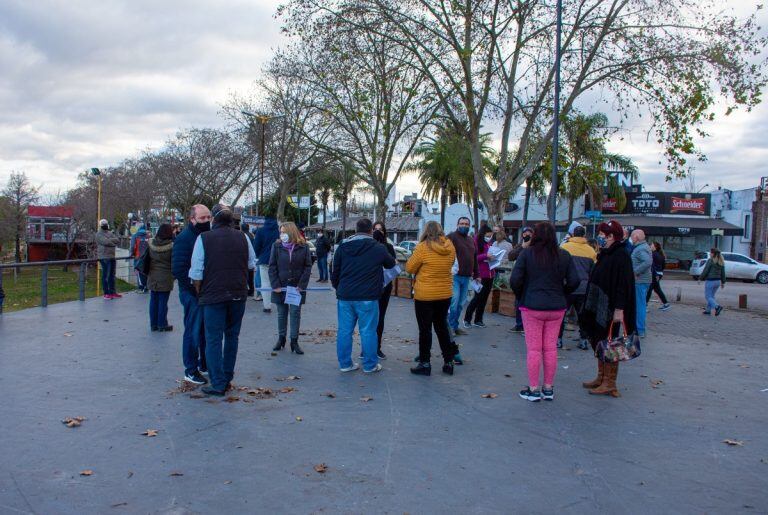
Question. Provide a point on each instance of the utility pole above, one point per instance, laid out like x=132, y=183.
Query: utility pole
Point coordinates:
x=97, y=173
x=556, y=136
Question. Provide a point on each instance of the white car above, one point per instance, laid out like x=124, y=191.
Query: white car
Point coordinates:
x=737, y=266
x=408, y=245
x=402, y=253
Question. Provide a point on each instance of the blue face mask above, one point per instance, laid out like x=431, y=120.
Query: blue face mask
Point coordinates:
x=463, y=230
x=601, y=241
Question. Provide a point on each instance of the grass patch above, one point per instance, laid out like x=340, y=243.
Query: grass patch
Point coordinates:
x=22, y=290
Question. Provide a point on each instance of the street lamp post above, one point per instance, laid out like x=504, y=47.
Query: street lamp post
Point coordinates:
x=556, y=136
x=97, y=173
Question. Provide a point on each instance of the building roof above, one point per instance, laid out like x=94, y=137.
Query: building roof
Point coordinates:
x=393, y=223
x=50, y=211
x=674, y=225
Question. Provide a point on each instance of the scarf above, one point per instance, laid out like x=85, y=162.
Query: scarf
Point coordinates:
x=289, y=246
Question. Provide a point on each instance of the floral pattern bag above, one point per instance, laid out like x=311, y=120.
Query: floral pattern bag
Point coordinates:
x=618, y=348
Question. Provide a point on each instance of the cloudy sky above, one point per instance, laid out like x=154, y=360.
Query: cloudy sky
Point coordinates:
x=88, y=83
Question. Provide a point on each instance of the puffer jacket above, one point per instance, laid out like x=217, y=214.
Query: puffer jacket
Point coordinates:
x=431, y=263
x=642, y=261
x=584, y=258
x=160, y=277
x=106, y=242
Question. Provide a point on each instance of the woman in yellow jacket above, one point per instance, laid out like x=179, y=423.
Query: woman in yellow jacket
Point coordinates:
x=431, y=263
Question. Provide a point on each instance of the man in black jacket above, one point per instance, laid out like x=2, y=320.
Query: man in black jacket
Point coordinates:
x=358, y=277
x=221, y=260
x=193, y=342
x=322, y=247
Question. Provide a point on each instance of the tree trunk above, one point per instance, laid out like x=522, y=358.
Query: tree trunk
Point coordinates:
x=571, y=201
x=526, y=203
x=443, y=201
x=325, y=211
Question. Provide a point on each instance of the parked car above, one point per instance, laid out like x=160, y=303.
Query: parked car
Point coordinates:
x=402, y=253
x=408, y=245
x=737, y=266
x=312, y=250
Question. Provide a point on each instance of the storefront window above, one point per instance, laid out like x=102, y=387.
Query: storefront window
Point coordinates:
x=685, y=247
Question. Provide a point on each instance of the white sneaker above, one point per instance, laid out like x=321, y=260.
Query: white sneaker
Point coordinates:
x=377, y=368
x=354, y=367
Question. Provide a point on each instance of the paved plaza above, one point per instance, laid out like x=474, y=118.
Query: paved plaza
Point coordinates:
x=383, y=443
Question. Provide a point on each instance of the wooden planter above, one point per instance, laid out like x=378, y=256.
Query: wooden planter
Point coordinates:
x=493, y=302
x=394, y=288
x=507, y=303
x=405, y=287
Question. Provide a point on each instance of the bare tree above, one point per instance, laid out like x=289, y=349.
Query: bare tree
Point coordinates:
x=19, y=194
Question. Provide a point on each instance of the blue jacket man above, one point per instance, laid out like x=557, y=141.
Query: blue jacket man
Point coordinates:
x=358, y=277
x=262, y=245
x=193, y=346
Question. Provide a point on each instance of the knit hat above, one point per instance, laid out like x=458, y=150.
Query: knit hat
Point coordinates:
x=573, y=226
x=103, y=221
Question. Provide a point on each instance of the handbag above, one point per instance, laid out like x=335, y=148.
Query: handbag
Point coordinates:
x=142, y=264
x=618, y=348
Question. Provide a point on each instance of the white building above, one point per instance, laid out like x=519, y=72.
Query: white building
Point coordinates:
x=735, y=207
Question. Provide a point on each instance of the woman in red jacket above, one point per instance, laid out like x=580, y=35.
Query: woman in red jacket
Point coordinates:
x=476, y=306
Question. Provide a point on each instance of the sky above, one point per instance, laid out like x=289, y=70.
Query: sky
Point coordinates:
x=89, y=83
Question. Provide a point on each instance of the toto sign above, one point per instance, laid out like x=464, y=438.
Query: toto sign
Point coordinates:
x=644, y=203
x=661, y=203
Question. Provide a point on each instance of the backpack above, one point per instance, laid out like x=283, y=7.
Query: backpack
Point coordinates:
x=143, y=263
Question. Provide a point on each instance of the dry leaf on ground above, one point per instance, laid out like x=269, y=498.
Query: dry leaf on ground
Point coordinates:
x=287, y=389
x=655, y=383
x=67, y=334
x=738, y=443
x=231, y=399
x=73, y=421
x=489, y=395
x=321, y=468
x=87, y=472
x=366, y=399
x=330, y=395
x=176, y=474
x=150, y=432
x=288, y=378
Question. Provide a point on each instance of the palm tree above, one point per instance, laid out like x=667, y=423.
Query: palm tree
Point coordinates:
x=444, y=165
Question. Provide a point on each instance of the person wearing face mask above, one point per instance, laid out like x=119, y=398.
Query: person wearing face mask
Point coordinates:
x=160, y=278
x=465, y=270
x=290, y=264
x=476, y=306
x=526, y=234
x=106, y=242
x=610, y=298
x=221, y=259
x=193, y=341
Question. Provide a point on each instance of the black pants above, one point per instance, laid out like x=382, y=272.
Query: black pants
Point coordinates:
x=434, y=314
x=577, y=301
x=656, y=287
x=478, y=302
x=383, y=304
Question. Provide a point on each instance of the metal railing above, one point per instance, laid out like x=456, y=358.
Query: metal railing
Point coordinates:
x=44, y=276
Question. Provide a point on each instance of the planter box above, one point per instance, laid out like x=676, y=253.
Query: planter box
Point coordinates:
x=493, y=302
x=394, y=288
x=507, y=303
x=405, y=287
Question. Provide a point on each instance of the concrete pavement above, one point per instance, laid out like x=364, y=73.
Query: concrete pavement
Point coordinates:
x=419, y=445
x=693, y=292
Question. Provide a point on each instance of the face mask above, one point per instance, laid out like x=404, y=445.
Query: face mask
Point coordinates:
x=526, y=239
x=463, y=230
x=601, y=241
x=203, y=226
x=488, y=239
x=105, y=227
x=284, y=237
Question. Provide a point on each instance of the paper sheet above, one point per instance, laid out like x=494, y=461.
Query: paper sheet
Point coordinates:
x=292, y=296
x=391, y=273
x=455, y=268
x=476, y=286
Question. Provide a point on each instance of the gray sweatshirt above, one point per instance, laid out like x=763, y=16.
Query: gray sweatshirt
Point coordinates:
x=106, y=242
x=642, y=262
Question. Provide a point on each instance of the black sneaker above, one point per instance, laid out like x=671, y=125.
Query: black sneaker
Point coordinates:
x=267, y=310
x=583, y=344
x=381, y=355
x=548, y=395
x=517, y=329
x=718, y=311
x=195, y=378
x=478, y=324
x=448, y=368
x=533, y=396
x=210, y=391
x=422, y=369
x=559, y=343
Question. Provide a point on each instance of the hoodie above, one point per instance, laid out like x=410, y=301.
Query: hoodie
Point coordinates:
x=139, y=242
x=431, y=264
x=358, y=268
x=642, y=261
x=265, y=238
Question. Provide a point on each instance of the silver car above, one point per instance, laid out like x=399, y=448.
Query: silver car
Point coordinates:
x=737, y=266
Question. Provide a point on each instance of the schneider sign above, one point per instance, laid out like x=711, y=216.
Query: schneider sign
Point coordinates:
x=661, y=203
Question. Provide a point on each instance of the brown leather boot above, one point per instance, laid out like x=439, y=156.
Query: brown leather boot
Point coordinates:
x=599, y=379
x=608, y=387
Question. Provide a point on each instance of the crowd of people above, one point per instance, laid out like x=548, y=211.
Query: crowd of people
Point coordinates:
x=218, y=264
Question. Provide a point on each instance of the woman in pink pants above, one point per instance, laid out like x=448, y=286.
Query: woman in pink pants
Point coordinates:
x=542, y=278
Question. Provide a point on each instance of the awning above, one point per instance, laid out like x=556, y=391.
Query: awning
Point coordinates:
x=676, y=225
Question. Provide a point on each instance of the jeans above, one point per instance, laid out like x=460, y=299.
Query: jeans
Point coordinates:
x=322, y=267
x=641, y=292
x=257, y=281
x=460, y=290
x=577, y=301
x=364, y=313
x=108, y=275
x=222, y=332
x=656, y=287
x=478, y=302
x=158, y=309
x=282, y=320
x=193, y=342
x=710, y=290
x=433, y=314
x=383, y=305
x=264, y=273
x=541, y=328
x=141, y=279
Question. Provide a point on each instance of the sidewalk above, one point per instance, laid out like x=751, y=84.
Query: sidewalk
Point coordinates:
x=419, y=445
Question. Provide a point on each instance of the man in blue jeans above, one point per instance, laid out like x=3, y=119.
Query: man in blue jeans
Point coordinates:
x=193, y=346
x=221, y=260
x=465, y=269
x=358, y=277
x=642, y=261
